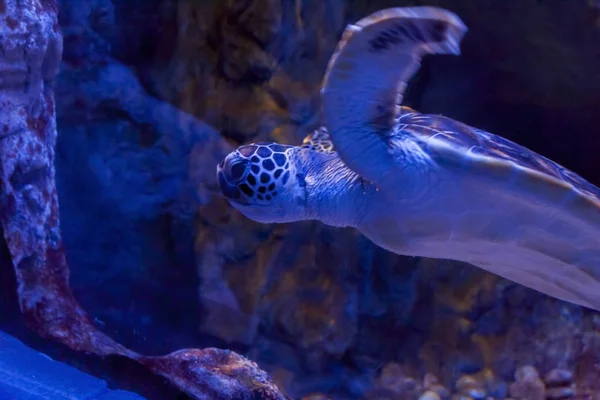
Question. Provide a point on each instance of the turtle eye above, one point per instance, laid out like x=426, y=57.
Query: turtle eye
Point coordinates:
x=237, y=169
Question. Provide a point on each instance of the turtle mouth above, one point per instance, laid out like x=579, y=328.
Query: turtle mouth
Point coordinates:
x=229, y=190
x=242, y=202
x=245, y=207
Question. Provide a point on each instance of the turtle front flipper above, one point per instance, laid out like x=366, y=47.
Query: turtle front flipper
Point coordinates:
x=367, y=76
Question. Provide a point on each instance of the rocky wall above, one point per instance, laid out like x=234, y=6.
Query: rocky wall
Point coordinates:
x=30, y=56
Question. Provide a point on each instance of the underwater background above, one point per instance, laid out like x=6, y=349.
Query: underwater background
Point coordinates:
x=149, y=97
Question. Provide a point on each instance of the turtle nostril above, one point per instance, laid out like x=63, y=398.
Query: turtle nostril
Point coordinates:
x=237, y=169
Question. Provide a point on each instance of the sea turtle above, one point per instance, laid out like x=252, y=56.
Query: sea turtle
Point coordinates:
x=423, y=185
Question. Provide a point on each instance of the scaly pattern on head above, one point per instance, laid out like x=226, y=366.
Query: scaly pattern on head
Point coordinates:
x=253, y=173
x=256, y=173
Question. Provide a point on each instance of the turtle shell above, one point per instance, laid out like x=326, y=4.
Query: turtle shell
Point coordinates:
x=450, y=142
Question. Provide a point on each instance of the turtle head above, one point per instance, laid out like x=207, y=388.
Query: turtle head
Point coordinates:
x=263, y=182
x=272, y=183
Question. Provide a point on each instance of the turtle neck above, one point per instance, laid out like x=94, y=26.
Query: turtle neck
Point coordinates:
x=335, y=195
